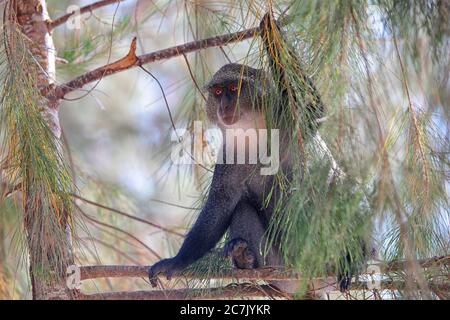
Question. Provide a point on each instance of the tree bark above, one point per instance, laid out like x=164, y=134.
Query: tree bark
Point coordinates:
x=47, y=271
x=263, y=273
x=233, y=291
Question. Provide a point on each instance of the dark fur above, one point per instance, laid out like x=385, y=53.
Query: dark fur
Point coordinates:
x=235, y=202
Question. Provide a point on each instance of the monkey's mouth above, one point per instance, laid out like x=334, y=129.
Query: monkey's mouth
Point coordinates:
x=229, y=118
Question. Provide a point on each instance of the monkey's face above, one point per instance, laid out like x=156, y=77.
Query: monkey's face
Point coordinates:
x=234, y=96
x=226, y=98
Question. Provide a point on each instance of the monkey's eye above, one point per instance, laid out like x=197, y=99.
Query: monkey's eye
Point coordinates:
x=233, y=88
x=218, y=91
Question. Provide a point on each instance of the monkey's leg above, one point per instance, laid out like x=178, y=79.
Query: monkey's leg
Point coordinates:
x=247, y=242
x=246, y=233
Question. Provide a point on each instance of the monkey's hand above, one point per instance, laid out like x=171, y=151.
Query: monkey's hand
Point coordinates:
x=168, y=267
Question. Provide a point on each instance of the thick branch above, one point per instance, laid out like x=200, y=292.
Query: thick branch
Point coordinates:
x=131, y=60
x=239, y=291
x=51, y=24
x=231, y=291
x=265, y=273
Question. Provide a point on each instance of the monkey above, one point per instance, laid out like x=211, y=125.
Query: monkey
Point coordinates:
x=236, y=201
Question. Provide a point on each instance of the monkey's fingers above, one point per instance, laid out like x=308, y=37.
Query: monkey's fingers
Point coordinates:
x=169, y=274
x=154, y=282
x=154, y=271
x=167, y=267
x=152, y=276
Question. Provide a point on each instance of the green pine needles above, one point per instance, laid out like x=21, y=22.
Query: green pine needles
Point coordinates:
x=32, y=159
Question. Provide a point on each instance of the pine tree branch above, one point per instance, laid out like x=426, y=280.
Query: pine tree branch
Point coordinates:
x=230, y=291
x=248, y=290
x=52, y=24
x=132, y=61
x=251, y=290
x=265, y=273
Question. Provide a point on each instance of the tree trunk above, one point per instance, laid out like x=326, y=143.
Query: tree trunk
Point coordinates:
x=47, y=265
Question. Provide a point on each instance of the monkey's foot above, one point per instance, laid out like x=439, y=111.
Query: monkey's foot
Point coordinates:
x=242, y=256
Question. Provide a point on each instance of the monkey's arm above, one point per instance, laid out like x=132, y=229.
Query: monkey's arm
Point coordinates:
x=214, y=219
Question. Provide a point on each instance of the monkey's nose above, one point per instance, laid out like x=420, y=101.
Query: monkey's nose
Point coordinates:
x=224, y=105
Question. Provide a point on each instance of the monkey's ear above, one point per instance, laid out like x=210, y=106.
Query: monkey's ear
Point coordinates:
x=209, y=85
x=206, y=87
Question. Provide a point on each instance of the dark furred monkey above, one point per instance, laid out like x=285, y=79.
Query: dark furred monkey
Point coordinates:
x=238, y=192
